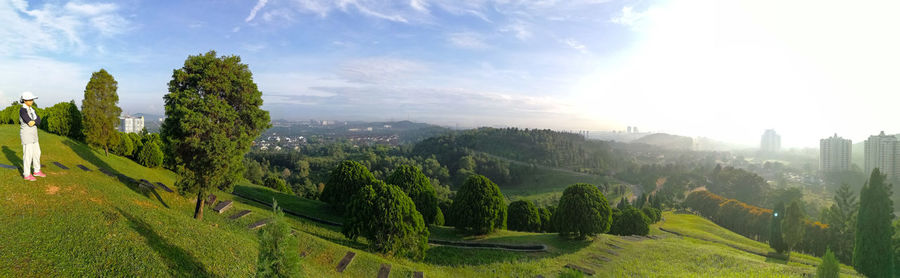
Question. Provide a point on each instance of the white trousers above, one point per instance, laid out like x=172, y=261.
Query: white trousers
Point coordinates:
x=31, y=154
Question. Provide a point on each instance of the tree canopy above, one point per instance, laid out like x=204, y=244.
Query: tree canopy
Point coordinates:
x=345, y=180
x=582, y=211
x=100, y=110
x=212, y=117
x=417, y=186
x=872, y=251
x=479, y=206
x=523, y=216
x=630, y=221
x=387, y=217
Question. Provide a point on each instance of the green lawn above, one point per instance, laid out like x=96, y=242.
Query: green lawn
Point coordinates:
x=85, y=224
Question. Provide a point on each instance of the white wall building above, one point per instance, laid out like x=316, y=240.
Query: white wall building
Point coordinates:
x=129, y=124
x=834, y=154
x=771, y=142
x=881, y=153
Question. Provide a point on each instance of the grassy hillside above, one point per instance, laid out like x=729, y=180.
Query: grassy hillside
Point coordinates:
x=78, y=223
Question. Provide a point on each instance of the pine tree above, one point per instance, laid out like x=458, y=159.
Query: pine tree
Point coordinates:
x=100, y=111
x=829, y=268
x=793, y=225
x=776, y=240
x=212, y=117
x=872, y=252
x=841, y=219
x=278, y=255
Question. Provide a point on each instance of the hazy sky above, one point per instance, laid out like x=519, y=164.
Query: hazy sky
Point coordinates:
x=721, y=69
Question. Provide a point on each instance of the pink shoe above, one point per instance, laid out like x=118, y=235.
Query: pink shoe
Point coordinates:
x=40, y=174
x=30, y=178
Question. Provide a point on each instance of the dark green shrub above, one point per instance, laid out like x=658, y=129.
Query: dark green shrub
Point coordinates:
x=829, y=268
x=345, y=180
x=546, y=216
x=583, y=211
x=479, y=206
x=277, y=183
x=654, y=214
x=418, y=187
x=523, y=216
x=388, y=219
x=630, y=221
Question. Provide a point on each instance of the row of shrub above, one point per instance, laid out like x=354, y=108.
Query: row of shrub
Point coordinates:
x=65, y=119
x=754, y=222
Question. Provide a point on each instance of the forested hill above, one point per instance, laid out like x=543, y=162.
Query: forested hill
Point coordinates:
x=536, y=146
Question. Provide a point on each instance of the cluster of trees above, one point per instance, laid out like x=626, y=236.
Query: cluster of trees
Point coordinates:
x=739, y=184
x=143, y=148
x=305, y=170
x=784, y=228
x=386, y=214
x=63, y=118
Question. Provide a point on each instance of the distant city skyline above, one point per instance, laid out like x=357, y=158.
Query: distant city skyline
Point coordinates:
x=723, y=70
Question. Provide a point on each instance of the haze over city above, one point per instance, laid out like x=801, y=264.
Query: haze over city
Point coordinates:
x=725, y=70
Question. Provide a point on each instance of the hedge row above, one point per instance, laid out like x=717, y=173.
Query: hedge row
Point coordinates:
x=753, y=222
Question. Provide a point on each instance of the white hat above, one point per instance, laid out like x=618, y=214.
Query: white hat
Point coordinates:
x=28, y=96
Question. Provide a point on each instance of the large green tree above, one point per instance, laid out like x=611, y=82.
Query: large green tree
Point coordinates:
x=345, y=180
x=793, y=225
x=776, y=237
x=212, y=117
x=387, y=217
x=412, y=181
x=479, y=207
x=100, y=110
x=582, y=211
x=523, y=216
x=872, y=251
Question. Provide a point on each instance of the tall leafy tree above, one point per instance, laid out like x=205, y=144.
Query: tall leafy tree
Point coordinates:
x=776, y=238
x=100, y=110
x=873, y=255
x=418, y=187
x=212, y=117
x=793, y=225
x=479, y=206
x=582, y=211
x=841, y=219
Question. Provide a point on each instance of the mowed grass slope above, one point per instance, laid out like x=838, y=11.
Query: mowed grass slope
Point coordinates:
x=85, y=224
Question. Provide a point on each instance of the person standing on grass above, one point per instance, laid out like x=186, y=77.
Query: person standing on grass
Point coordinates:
x=31, y=150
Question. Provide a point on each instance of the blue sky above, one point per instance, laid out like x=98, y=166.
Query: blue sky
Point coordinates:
x=726, y=70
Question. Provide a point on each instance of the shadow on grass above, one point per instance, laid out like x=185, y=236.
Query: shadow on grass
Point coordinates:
x=13, y=158
x=87, y=154
x=290, y=202
x=178, y=260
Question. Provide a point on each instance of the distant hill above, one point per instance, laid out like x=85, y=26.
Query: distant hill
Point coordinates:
x=667, y=141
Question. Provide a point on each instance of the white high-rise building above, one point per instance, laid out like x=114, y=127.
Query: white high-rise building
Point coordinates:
x=129, y=124
x=834, y=154
x=771, y=142
x=881, y=153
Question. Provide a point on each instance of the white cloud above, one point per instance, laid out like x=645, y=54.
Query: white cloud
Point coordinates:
x=259, y=5
x=379, y=70
x=574, y=44
x=419, y=5
x=29, y=73
x=468, y=40
x=51, y=27
x=628, y=17
x=520, y=30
